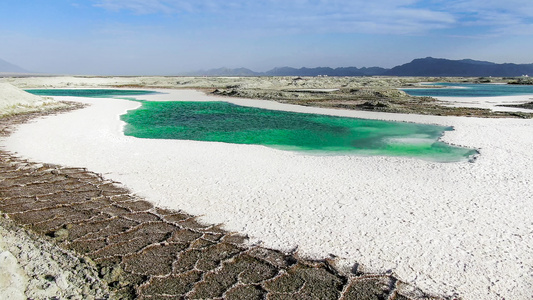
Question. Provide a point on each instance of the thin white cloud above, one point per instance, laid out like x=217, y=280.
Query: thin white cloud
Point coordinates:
x=138, y=6
x=362, y=16
x=356, y=16
x=163, y=6
x=496, y=16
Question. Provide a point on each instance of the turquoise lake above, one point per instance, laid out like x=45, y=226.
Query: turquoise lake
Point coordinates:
x=91, y=93
x=471, y=90
x=310, y=133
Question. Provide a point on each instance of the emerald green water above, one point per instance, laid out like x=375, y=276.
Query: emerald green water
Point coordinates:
x=92, y=93
x=312, y=133
x=225, y=122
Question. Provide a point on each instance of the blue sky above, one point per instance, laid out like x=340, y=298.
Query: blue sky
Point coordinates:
x=165, y=37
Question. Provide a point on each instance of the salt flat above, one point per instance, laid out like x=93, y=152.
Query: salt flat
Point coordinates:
x=448, y=228
x=493, y=103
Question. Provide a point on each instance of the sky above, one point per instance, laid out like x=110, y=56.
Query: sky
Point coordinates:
x=168, y=37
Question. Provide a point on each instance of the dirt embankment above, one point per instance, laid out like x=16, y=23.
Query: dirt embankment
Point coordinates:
x=359, y=93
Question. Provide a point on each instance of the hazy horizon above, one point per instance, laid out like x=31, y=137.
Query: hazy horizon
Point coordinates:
x=165, y=37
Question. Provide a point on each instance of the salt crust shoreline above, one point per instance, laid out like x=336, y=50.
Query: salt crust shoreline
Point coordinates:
x=448, y=228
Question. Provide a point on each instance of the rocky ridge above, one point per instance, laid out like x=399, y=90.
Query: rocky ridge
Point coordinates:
x=379, y=94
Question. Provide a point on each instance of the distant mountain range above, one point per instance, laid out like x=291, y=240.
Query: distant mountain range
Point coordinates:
x=428, y=66
x=6, y=67
x=465, y=68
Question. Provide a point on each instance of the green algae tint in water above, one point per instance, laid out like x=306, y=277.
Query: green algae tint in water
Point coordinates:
x=225, y=122
x=93, y=93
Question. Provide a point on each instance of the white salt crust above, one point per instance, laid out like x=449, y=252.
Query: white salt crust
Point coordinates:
x=449, y=228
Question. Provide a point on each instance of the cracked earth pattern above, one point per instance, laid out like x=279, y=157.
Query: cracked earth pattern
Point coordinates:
x=145, y=252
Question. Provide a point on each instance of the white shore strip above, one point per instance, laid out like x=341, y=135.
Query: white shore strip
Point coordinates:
x=493, y=103
x=448, y=228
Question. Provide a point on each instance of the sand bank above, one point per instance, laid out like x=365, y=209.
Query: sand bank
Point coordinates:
x=14, y=100
x=447, y=228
